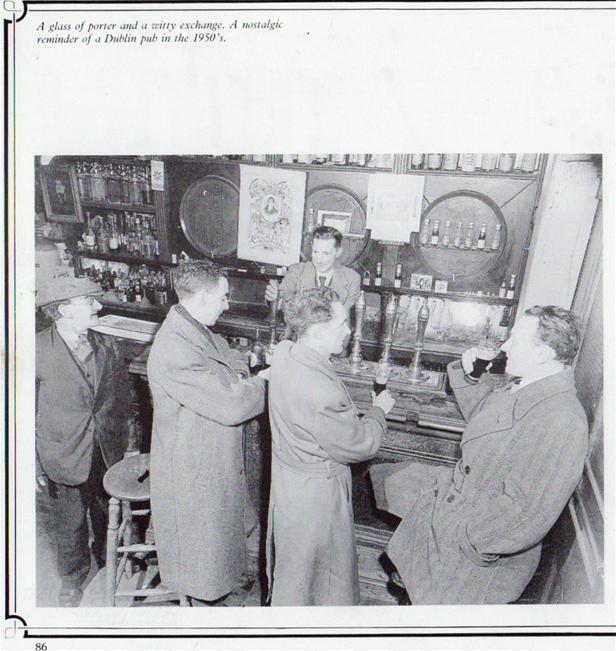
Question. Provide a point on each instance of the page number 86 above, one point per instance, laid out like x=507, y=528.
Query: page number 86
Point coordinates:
x=40, y=646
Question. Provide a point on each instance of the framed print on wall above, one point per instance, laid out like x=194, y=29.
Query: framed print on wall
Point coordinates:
x=60, y=194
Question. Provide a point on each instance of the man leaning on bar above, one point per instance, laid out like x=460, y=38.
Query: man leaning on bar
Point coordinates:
x=472, y=535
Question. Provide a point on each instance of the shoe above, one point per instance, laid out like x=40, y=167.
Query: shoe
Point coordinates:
x=70, y=597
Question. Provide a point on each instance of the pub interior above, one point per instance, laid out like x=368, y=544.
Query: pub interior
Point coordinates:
x=450, y=249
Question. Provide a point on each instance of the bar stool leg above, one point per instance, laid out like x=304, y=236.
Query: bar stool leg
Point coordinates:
x=112, y=548
x=185, y=600
x=130, y=535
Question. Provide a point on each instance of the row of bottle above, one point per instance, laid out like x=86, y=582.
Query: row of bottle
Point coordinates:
x=132, y=233
x=114, y=182
x=506, y=289
x=462, y=237
x=134, y=285
x=526, y=163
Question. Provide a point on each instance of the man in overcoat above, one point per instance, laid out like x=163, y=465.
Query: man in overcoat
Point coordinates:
x=473, y=535
x=316, y=435
x=199, y=496
x=83, y=422
x=322, y=270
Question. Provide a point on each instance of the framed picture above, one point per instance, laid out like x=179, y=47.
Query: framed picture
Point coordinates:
x=339, y=220
x=60, y=194
x=440, y=286
x=422, y=282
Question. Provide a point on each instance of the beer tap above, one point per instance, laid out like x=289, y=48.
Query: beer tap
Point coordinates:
x=416, y=375
x=388, y=329
x=273, y=319
x=355, y=357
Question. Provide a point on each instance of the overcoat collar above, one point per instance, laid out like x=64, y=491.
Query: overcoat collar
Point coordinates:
x=309, y=357
x=501, y=415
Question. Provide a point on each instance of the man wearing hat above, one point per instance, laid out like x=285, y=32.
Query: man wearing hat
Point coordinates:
x=83, y=418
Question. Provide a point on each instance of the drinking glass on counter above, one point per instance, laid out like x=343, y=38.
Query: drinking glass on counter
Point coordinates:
x=383, y=371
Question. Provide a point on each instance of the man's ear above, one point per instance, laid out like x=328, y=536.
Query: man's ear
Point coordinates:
x=339, y=251
x=63, y=311
x=544, y=353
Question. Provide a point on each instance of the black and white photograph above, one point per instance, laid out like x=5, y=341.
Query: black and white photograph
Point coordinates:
x=264, y=399
x=214, y=431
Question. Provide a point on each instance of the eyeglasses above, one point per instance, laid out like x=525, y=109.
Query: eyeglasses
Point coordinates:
x=87, y=300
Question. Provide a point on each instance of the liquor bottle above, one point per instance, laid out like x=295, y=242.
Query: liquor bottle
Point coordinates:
x=103, y=238
x=77, y=268
x=146, y=194
x=124, y=183
x=257, y=354
x=114, y=190
x=450, y=161
x=488, y=162
x=97, y=183
x=457, y=240
x=89, y=236
x=469, y=240
x=398, y=277
x=424, y=236
x=83, y=181
x=511, y=288
x=366, y=280
x=417, y=161
x=505, y=162
x=147, y=246
x=495, y=245
x=446, y=237
x=481, y=240
x=502, y=291
x=310, y=220
x=434, y=236
x=114, y=240
x=378, y=280
x=467, y=162
x=434, y=161
x=138, y=290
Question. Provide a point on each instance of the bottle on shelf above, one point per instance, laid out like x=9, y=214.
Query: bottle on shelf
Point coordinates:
x=146, y=190
x=450, y=161
x=114, y=190
x=457, y=240
x=426, y=230
x=435, y=232
x=434, y=161
x=114, y=240
x=103, y=237
x=398, y=276
x=83, y=181
x=505, y=162
x=97, y=183
x=528, y=162
x=488, y=162
x=481, y=240
x=502, y=291
x=366, y=279
x=496, y=238
x=310, y=223
x=467, y=162
x=445, y=239
x=511, y=287
x=417, y=161
x=89, y=236
x=469, y=240
x=378, y=279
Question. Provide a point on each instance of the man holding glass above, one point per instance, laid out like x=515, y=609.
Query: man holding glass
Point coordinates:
x=472, y=535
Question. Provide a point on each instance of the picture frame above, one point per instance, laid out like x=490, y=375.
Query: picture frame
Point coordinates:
x=60, y=194
x=421, y=282
x=440, y=286
x=336, y=218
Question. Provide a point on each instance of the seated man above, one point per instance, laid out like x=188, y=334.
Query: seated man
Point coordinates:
x=201, y=511
x=473, y=535
x=316, y=435
x=83, y=423
x=323, y=270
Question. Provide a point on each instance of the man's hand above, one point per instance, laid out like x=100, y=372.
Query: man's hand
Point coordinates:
x=41, y=483
x=383, y=400
x=265, y=374
x=271, y=291
x=468, y=359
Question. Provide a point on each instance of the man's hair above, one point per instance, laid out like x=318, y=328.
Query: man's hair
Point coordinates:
x=327, y=233
x=191, y=277
x=558, y=328
x=310, y=307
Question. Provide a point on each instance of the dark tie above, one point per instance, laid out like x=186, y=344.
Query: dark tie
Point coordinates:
x=322, y=281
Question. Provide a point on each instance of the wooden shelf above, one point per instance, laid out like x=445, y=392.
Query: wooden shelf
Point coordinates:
x=454, y=296
x=124, y=207
x=126, y=258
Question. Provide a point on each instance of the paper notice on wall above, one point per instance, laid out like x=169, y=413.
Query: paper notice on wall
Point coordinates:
x=157, y=175
x=394, y=206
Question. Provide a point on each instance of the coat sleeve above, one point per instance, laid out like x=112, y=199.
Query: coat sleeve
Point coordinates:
x=545, y=467
x=185, y=376
x=470, y=396
x=354, y=289
x=288, y=287
x=343, y=435
x=236, y=359
x=122, y=392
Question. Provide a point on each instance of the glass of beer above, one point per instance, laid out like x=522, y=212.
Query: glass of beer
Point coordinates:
x=383, y=371
x=487, y=351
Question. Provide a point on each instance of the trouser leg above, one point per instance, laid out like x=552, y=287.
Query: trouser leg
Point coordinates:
x=69, y=510
x=97, y=503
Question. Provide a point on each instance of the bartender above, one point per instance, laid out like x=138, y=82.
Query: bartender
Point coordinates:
x=323, y=270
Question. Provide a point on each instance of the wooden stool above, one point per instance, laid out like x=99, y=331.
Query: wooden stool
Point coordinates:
x=129, y=481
